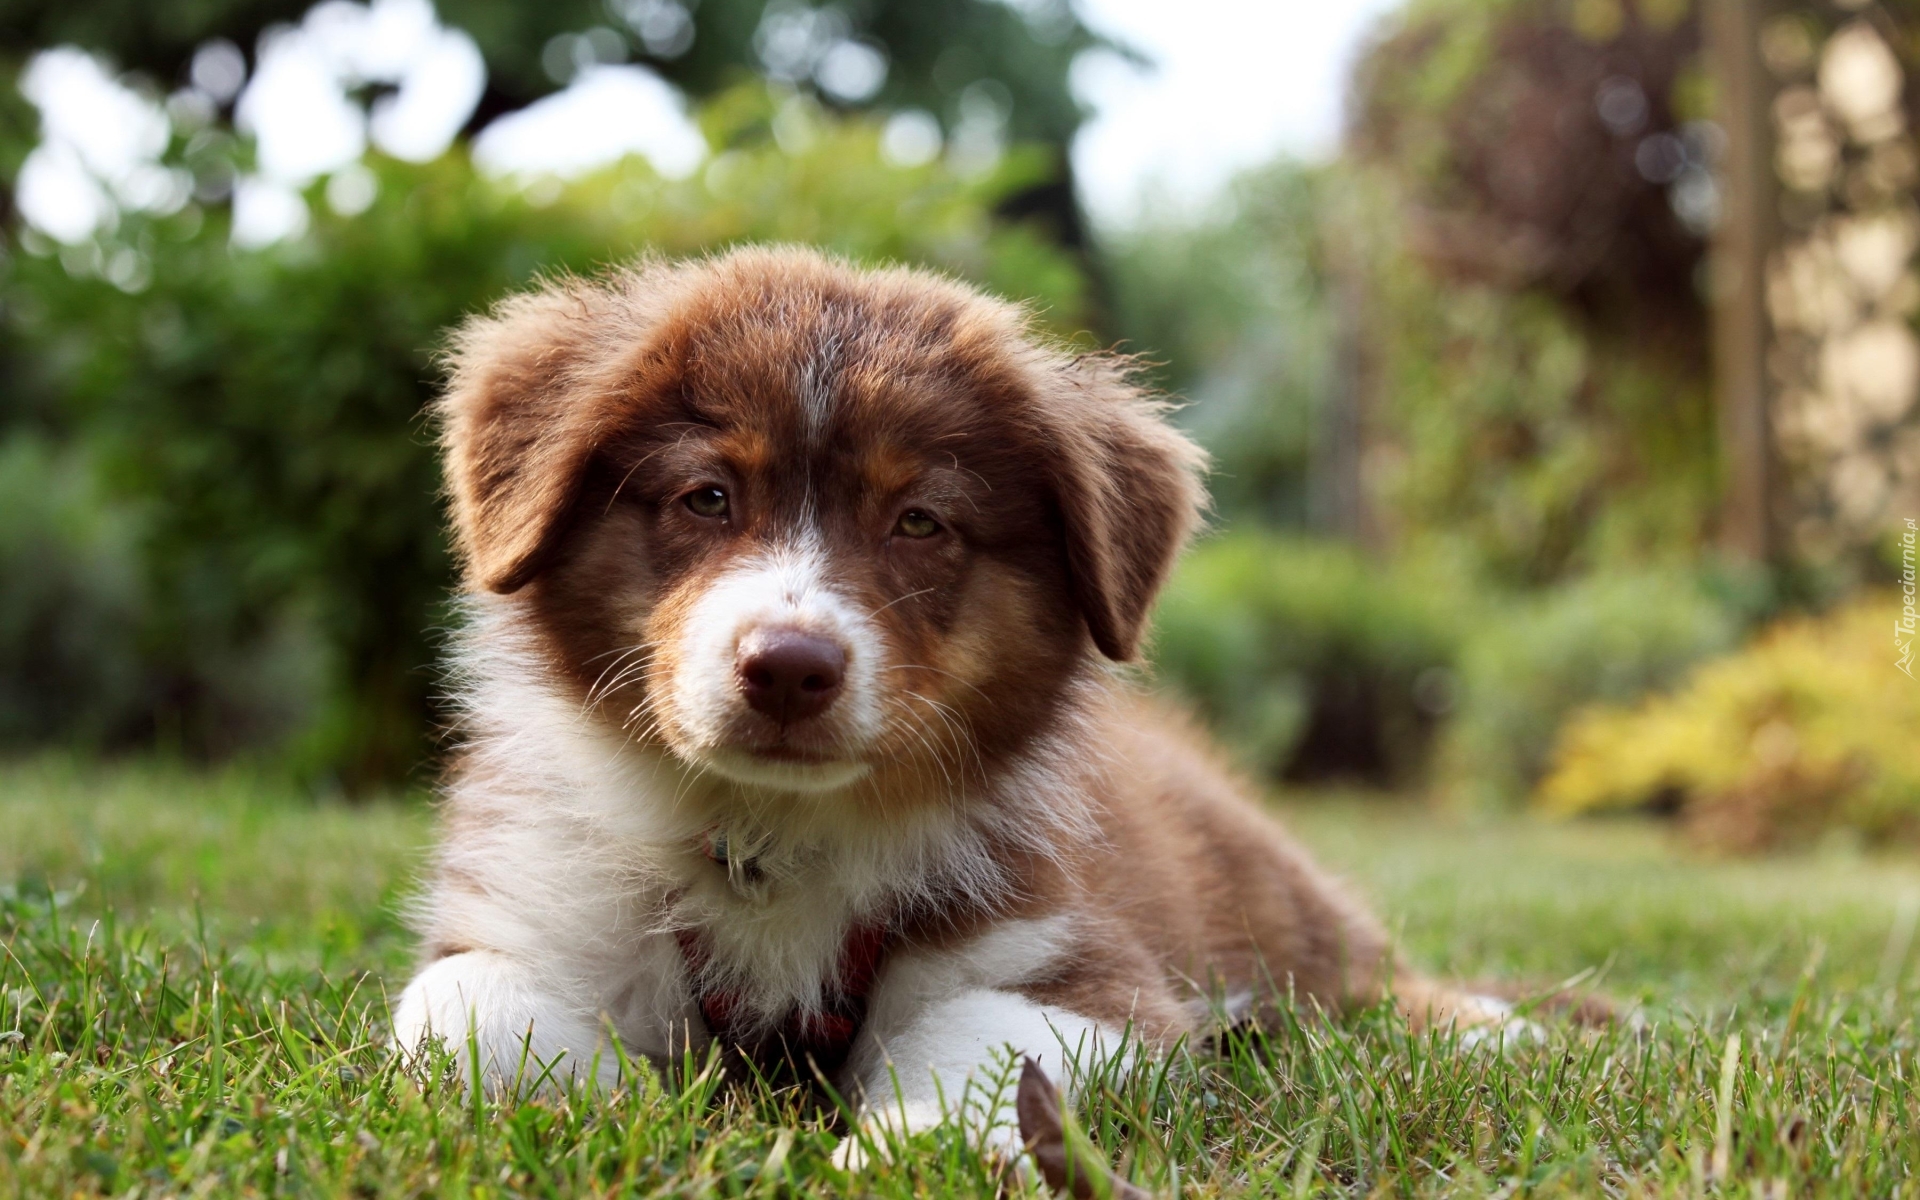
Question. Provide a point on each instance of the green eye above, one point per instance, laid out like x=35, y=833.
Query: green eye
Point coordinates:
x=707, y=502
x=915, y=524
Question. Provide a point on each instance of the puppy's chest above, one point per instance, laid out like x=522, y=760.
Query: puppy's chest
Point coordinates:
x=771, y=917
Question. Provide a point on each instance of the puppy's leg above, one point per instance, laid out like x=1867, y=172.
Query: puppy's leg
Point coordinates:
x=957, y=1059
x=524, y=1034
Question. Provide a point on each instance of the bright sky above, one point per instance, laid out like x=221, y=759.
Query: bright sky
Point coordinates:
x=1236, y=82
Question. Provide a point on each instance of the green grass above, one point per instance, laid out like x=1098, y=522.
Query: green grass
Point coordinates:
x=196, y=971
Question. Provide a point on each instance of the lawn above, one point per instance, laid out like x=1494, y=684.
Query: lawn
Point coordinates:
x=197, y=966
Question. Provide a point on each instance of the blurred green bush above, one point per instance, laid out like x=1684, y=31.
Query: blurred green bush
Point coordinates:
x=1807, y=730
x=1532, y=660
x=1313, y=662
x=70, y=612
x=258, y=414
x=1318, y=663
x=1509, y=436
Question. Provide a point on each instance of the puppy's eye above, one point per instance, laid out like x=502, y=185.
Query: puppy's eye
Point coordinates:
x=915, y=524
x=707, y=502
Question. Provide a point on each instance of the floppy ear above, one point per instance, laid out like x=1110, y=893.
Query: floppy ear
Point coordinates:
x=1130, y=495
x=519, y=422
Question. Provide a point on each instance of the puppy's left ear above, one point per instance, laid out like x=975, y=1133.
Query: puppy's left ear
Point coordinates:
x=519, y=422
x=1129, y=490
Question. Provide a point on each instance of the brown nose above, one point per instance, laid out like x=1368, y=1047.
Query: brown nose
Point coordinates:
x=789, y=674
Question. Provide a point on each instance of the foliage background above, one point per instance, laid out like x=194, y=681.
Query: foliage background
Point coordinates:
x=1456, y=380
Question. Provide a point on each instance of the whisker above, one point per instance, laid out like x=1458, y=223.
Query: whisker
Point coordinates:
x=596, y=693
x=606, y=654
x=918, y=730
x=689, y=772
x=626, y=676
x=644, y=460
x=897, y=599
x=958, y=726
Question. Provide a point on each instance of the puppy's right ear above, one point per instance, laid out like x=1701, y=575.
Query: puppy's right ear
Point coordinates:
x=519, y=422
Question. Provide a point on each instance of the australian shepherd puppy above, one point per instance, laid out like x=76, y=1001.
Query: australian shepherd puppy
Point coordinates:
x=793, y=597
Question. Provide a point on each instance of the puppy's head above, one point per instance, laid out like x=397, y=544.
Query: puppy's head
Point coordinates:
x=804, y=525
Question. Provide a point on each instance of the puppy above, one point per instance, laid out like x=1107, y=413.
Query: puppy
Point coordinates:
x=790, y=722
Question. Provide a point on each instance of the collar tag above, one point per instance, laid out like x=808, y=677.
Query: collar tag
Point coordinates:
x=743, y=871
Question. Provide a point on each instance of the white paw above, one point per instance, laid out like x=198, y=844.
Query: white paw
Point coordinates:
x=851, y=1154
x=876, y=1140
x=482, y=1002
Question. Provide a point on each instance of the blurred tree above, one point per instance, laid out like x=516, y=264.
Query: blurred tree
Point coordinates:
x=1553, y=148
x=934, y=49
x=257, y=413
x=996, y=67
x=1581, y=155
x=1524, y=230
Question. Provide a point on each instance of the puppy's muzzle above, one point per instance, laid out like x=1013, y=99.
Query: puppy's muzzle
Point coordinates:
x=789, y=674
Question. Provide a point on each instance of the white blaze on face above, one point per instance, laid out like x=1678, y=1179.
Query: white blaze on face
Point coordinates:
x=784, y=588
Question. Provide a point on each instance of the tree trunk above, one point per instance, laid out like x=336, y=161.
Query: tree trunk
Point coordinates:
x=1742, y=241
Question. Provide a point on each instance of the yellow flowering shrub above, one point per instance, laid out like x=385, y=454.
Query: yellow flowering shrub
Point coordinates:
x=1811, y=727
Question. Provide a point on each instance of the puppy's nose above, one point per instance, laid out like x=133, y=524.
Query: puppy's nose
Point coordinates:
x=789, y=674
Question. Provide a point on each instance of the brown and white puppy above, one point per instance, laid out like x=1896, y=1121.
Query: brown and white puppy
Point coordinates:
x=793, y=594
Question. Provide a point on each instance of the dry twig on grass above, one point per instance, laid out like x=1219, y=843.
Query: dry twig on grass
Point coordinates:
x=1068, y=1161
